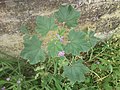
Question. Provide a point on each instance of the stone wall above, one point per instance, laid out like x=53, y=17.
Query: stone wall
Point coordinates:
x=103, y=17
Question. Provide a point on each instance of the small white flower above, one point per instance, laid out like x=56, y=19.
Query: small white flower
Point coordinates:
x=18, y=82
x=8, y=79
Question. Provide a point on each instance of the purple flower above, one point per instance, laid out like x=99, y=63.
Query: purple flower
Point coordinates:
x=61, y=53
x=18, y=82
x=60, y=37
x=3, y=88
x=8, y=79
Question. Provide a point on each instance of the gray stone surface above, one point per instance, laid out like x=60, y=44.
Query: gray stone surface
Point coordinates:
x=103, y=16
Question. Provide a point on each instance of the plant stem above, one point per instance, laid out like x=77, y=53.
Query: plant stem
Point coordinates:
x=55, y=67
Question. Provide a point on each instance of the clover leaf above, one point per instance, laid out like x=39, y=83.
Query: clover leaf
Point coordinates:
x=45, y=24
x=75, y=71
x=68, y=15
x=32, y=50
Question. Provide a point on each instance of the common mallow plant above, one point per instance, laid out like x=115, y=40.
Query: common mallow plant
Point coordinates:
x=76, y=41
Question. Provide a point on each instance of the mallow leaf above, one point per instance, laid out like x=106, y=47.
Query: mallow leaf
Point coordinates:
x=92, y=40
x=68, y=15
x=73, y=45
x=88, y=42
x=75, y=71
x=45, y=24
x=32, y=50
x=79, y=41
x=53, y=48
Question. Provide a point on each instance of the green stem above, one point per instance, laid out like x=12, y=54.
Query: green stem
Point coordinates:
x=55, y=67
x=95, y=74
x=19, y=69
x=91, y=55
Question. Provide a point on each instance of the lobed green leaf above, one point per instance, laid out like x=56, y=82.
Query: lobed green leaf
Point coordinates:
x=80, y=42
x=54, y=48
x=75, y=71
x=32, y=50
x=45, y=24
x=68, y=15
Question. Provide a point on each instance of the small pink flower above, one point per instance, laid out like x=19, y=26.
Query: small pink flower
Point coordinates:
x=61, y=53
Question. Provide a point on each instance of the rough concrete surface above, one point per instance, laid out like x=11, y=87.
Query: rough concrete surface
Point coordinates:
x=103, y=16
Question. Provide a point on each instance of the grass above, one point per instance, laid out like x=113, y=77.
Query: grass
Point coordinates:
x=103, y=61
